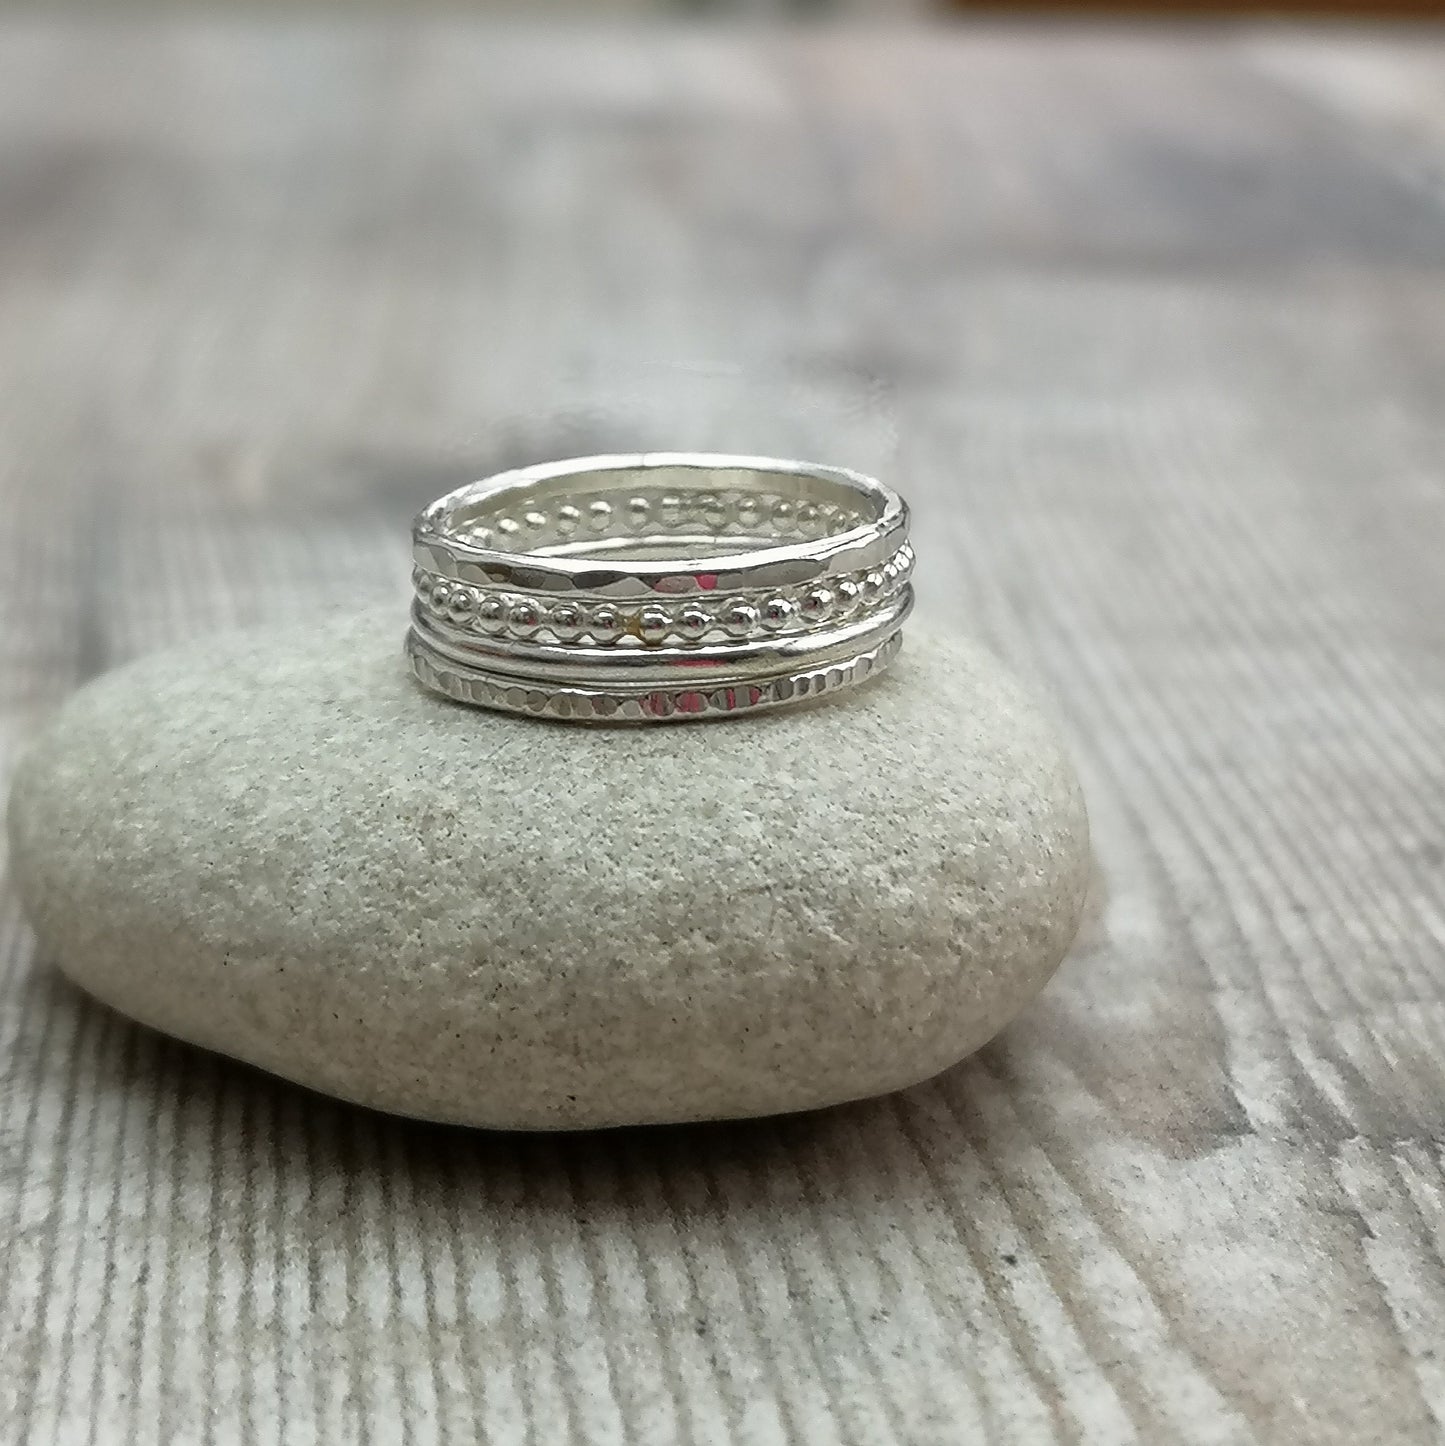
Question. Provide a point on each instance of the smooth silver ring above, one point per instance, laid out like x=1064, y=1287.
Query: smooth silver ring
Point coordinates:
x=658, y=586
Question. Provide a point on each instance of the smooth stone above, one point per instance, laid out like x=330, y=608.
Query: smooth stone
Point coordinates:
x=275, y=845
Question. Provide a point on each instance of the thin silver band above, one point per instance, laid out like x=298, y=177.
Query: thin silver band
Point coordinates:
x=658, y=586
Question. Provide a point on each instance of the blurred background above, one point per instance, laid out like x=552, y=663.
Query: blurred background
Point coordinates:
x=785, y=10
x=1142, y=307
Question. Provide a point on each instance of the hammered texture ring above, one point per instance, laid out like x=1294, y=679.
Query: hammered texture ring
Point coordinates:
x=656, y=587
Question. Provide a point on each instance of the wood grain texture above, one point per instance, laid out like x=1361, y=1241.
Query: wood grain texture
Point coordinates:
x=1153, y=330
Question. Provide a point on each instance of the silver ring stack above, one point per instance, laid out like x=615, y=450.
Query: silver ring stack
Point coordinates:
x=656, y=587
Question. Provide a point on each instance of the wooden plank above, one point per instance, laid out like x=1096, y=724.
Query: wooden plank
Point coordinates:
x=1149, y=327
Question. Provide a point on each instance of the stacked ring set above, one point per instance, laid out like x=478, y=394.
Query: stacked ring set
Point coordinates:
x=658, y=587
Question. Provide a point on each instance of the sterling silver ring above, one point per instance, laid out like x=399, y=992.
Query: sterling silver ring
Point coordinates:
x=656, y=587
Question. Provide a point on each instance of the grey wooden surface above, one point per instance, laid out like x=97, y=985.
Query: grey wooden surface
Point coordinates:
x=1152, y=327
